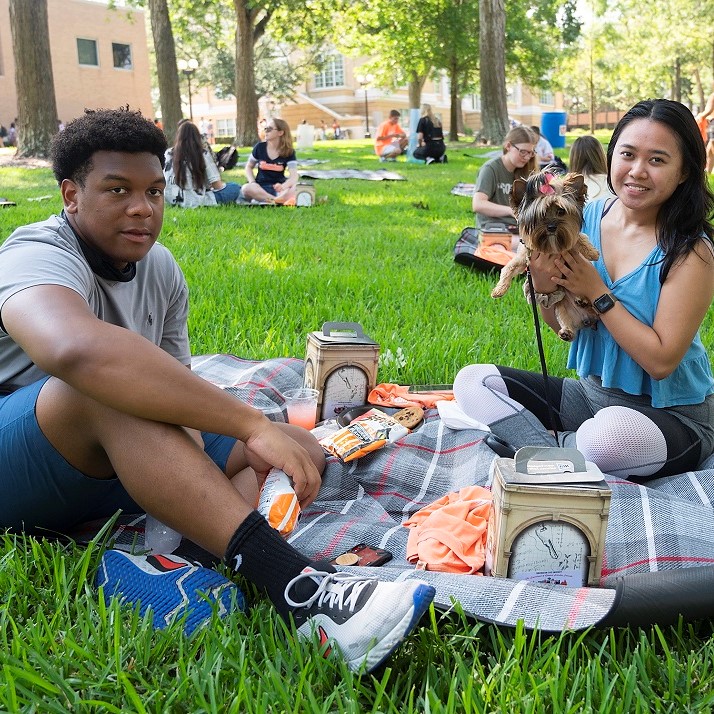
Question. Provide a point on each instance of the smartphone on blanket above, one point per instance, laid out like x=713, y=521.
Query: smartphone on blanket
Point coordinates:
x=363, y=555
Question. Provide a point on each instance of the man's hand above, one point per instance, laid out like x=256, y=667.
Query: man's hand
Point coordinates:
x=269, y=447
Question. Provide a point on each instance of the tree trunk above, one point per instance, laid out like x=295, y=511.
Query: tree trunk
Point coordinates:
x=492, y=72
x=416, y=83
x=455, y=101
x=36, y=104
x=164, y=47
x=246, y=98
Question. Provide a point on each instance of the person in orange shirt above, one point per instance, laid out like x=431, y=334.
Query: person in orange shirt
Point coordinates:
x=390, y=140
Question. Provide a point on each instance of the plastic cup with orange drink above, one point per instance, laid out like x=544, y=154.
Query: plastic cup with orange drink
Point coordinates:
x=302, y=406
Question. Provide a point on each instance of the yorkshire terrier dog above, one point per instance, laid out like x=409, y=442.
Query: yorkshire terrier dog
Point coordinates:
x=549, y=211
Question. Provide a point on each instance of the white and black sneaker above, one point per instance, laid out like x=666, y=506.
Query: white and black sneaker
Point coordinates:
x=365, y=618
x=430, y=160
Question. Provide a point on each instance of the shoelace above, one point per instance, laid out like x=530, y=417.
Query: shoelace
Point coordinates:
x=332, y=588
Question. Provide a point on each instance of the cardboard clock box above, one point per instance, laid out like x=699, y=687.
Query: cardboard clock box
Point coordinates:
x=341, y=363
x=549, y=518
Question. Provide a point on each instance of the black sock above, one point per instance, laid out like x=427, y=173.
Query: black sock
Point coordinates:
x=260, y=554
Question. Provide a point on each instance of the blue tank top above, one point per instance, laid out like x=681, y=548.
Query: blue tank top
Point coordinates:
x=595, y=352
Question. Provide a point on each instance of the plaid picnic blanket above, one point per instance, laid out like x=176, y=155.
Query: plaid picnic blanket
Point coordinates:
x=665, y=526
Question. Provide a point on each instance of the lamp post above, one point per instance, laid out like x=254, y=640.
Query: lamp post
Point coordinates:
x=364, y=81
x=188, y=68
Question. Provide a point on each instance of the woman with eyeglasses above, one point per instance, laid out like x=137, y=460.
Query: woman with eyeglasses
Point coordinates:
x=272, y=158
x=491, y=200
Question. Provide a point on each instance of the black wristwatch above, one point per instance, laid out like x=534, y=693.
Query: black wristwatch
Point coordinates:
x=604, y=303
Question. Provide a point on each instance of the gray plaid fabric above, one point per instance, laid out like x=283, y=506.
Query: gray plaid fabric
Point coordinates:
x=666, y=525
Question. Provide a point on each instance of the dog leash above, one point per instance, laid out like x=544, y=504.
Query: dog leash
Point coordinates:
x=541, y=354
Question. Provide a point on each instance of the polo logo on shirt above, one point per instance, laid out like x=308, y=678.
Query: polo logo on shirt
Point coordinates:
x=150, y=319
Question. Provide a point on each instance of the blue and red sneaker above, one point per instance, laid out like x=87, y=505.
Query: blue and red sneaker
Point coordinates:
x=168, y=585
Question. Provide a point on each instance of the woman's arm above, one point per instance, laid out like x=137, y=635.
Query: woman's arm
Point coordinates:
x=249, y=166
x=658, y=349
x=481, y=204
x=292, y=179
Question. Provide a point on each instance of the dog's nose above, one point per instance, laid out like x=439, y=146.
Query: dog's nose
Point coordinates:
x=552, y=227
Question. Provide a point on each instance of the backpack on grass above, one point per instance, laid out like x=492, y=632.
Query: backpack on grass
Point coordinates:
x=489, y=249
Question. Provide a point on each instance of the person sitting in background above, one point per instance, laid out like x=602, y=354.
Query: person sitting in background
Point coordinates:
x=430, y=137
x=543, y=148
x=11, y=139
x=587, y=157
x=192, y=176
x=272, y=157
x=390, y=140
x=545, y=154
x=492, y=196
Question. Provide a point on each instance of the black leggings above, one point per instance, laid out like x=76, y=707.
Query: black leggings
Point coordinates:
x=528, y=389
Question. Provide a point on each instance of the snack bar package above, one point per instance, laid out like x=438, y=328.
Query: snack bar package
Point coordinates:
x=368, y=432
x=278, y=502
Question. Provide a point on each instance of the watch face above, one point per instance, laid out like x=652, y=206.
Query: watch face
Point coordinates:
x=604, y=303
x=550, y=552
x=345, y=388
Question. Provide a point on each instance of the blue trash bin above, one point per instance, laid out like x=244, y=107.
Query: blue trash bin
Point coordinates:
x=553, y=126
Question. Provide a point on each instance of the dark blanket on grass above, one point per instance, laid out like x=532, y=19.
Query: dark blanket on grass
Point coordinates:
x=378, y=175
x=664, y=526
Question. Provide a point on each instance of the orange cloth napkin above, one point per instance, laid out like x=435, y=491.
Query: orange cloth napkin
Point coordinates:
x=449, y=535
x=397, y=395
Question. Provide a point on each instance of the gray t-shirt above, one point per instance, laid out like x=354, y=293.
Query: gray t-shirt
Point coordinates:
x=154, y=304
x=495, y=180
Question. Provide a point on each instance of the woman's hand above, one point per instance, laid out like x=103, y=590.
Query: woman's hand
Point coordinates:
x=579, y=275
x=543, y=270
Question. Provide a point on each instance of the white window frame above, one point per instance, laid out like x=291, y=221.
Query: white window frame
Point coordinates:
x=96, y=48
x=332, y=74
x=130, y=68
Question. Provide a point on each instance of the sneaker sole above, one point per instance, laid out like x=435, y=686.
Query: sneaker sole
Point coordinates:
x=421, y=599
x=168, y=585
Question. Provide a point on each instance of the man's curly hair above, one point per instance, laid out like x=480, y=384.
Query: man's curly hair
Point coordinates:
x=103, y=130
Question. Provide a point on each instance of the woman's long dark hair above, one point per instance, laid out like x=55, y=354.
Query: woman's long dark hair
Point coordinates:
x=685, y=217
x=188, y=156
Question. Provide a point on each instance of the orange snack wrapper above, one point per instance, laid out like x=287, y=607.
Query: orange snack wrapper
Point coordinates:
x=367, y=433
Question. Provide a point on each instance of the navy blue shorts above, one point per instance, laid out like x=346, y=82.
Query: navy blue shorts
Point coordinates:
x=40, y=491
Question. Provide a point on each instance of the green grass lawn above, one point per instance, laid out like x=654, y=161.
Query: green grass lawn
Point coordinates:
x=379, y=253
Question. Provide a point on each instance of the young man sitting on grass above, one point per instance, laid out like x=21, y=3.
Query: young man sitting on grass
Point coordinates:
x=390, y=140
x=100, y=410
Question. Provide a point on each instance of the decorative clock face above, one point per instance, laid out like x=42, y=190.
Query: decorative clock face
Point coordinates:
x=303, y=198
x=550, y=552
x=345, y=388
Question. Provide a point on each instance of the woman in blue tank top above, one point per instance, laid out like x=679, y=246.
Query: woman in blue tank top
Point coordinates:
x=643, y=405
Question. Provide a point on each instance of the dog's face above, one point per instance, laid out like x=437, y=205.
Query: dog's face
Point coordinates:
x=549, y=210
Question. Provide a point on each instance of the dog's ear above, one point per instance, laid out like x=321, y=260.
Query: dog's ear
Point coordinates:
x=576, y=184
x=518, y=190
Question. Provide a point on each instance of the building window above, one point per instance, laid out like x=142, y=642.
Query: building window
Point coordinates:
x=333, y=73
x=546, y=97
x=226, y=127
x=122, y=56
x=87, y=52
